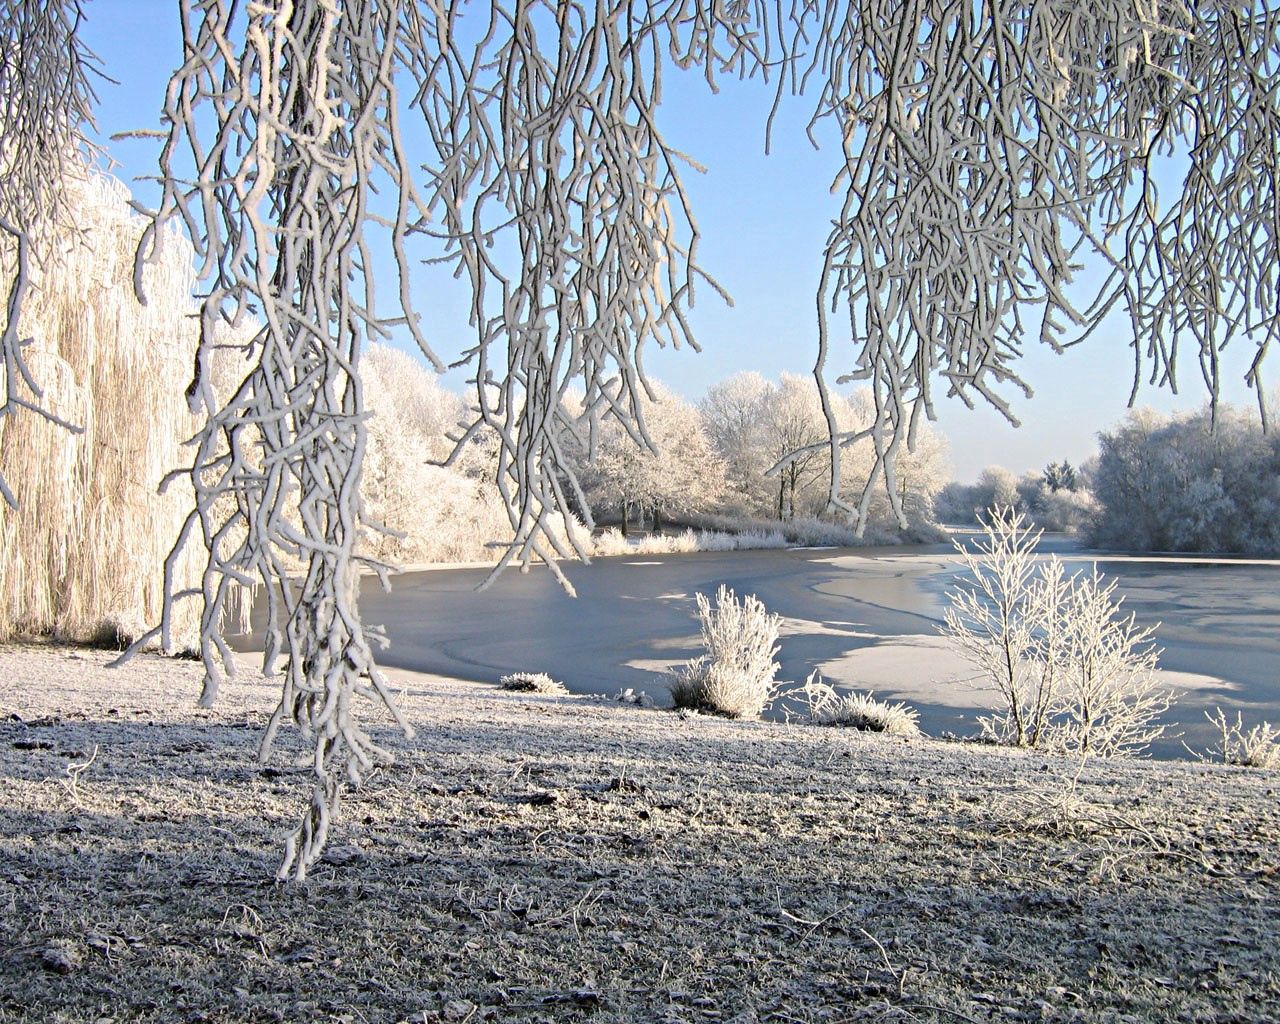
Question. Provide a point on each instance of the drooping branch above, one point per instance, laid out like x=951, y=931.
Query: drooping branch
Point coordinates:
x=287, y=139
x=288, y=116
x=989, y=148
x=563, y=207
x=46, y=102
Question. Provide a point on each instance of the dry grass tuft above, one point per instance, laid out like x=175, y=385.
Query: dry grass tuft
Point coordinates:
x=612, y=542
x=532, y=682
x=858, y=711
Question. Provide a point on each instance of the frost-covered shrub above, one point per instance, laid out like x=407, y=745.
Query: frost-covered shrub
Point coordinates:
x=532, y=682
x=1258, y=747
x=1071, y=671
x=736, y=676
x=858, y=710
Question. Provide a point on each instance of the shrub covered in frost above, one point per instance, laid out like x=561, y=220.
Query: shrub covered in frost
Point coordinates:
x=858, y=710
x=736, y=676
x=532, y=682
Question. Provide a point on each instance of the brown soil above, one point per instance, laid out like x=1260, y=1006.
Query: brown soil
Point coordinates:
x=533, y=858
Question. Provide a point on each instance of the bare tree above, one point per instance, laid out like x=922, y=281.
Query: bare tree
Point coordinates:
x=681, y=474
x=1071, y=671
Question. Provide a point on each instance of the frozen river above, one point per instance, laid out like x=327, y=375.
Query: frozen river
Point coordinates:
x=866, y=618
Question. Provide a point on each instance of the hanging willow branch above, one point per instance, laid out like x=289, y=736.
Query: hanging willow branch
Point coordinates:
x=562, y=206
x=988, y=148
x=539, y=142
x=45, y=103
x=287, y=138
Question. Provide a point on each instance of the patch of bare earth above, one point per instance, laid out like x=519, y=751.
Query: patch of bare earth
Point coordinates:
x=536, y=858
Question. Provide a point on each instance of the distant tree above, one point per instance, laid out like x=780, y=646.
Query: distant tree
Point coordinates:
x=1203, y=481
x=996, y=488
x=922, y=470
x=795, y=427
x=734, y=416
x=754, y=424
x=408, y=430
x=681, y=474
x=1061, y=510
x=1060, y=476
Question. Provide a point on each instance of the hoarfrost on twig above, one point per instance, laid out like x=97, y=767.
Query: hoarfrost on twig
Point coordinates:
x=45, y=103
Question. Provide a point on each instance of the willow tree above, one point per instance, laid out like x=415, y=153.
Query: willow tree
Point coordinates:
x=986, y=148
x=79, y=554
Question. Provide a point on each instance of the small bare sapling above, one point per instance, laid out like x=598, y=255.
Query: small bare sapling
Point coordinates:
x=1258, y=747
x=1071, y=670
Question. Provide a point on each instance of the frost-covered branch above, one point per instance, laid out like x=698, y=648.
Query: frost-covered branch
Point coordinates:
x=563, y=207
x=989, y=148
x=45, y=103
x=287, y=116
x=551, y=192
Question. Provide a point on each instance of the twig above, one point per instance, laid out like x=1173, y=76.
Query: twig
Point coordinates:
x=899, y=977
x=74, y=772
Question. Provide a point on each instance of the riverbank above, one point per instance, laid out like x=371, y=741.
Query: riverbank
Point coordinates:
x=553, y=859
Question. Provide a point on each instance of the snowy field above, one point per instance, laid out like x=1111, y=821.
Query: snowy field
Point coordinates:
x=865, y=618
x=545, y=860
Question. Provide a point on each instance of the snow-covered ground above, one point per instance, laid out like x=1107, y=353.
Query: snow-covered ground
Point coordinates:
x=538, y=860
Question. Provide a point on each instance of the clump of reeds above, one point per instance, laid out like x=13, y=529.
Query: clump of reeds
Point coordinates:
x=735, y=677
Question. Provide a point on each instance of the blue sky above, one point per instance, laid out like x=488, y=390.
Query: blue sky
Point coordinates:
x=764, y=221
